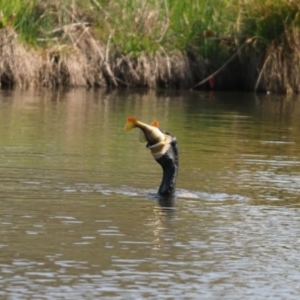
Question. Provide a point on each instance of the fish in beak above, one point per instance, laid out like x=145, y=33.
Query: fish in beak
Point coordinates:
x=149, y=133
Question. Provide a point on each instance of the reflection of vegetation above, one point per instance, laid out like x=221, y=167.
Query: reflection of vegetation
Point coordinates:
x=154, y=43
x=78, y=133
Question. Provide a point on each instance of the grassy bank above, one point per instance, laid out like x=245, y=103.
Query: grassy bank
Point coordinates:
x=246, y=44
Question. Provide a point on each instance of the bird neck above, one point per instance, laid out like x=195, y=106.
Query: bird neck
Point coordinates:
x=169, y=163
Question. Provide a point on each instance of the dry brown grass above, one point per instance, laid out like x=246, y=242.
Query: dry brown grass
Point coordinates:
x=87, y=62
x=16, y=64
x=84, y=61
x=281, y=67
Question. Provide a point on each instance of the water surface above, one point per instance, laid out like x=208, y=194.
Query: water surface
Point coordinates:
x=78, y=219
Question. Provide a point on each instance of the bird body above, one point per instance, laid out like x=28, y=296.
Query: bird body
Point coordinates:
x=163, y=147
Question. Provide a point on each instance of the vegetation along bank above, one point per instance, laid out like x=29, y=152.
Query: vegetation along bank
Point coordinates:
x=248, y=45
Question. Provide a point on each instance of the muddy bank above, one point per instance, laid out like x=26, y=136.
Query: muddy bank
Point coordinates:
x=88, y=62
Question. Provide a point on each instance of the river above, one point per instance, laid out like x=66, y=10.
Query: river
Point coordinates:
x=78, y=219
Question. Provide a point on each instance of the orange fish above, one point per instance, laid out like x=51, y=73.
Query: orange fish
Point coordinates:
x=149, y=133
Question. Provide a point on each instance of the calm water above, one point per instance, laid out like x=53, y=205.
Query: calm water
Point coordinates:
x=77, y=219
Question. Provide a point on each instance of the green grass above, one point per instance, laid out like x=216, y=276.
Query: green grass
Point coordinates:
x=136, y=26
x=270, y=21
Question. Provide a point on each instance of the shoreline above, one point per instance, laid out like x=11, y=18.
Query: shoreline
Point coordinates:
x=73, y=54
x=91, y=64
